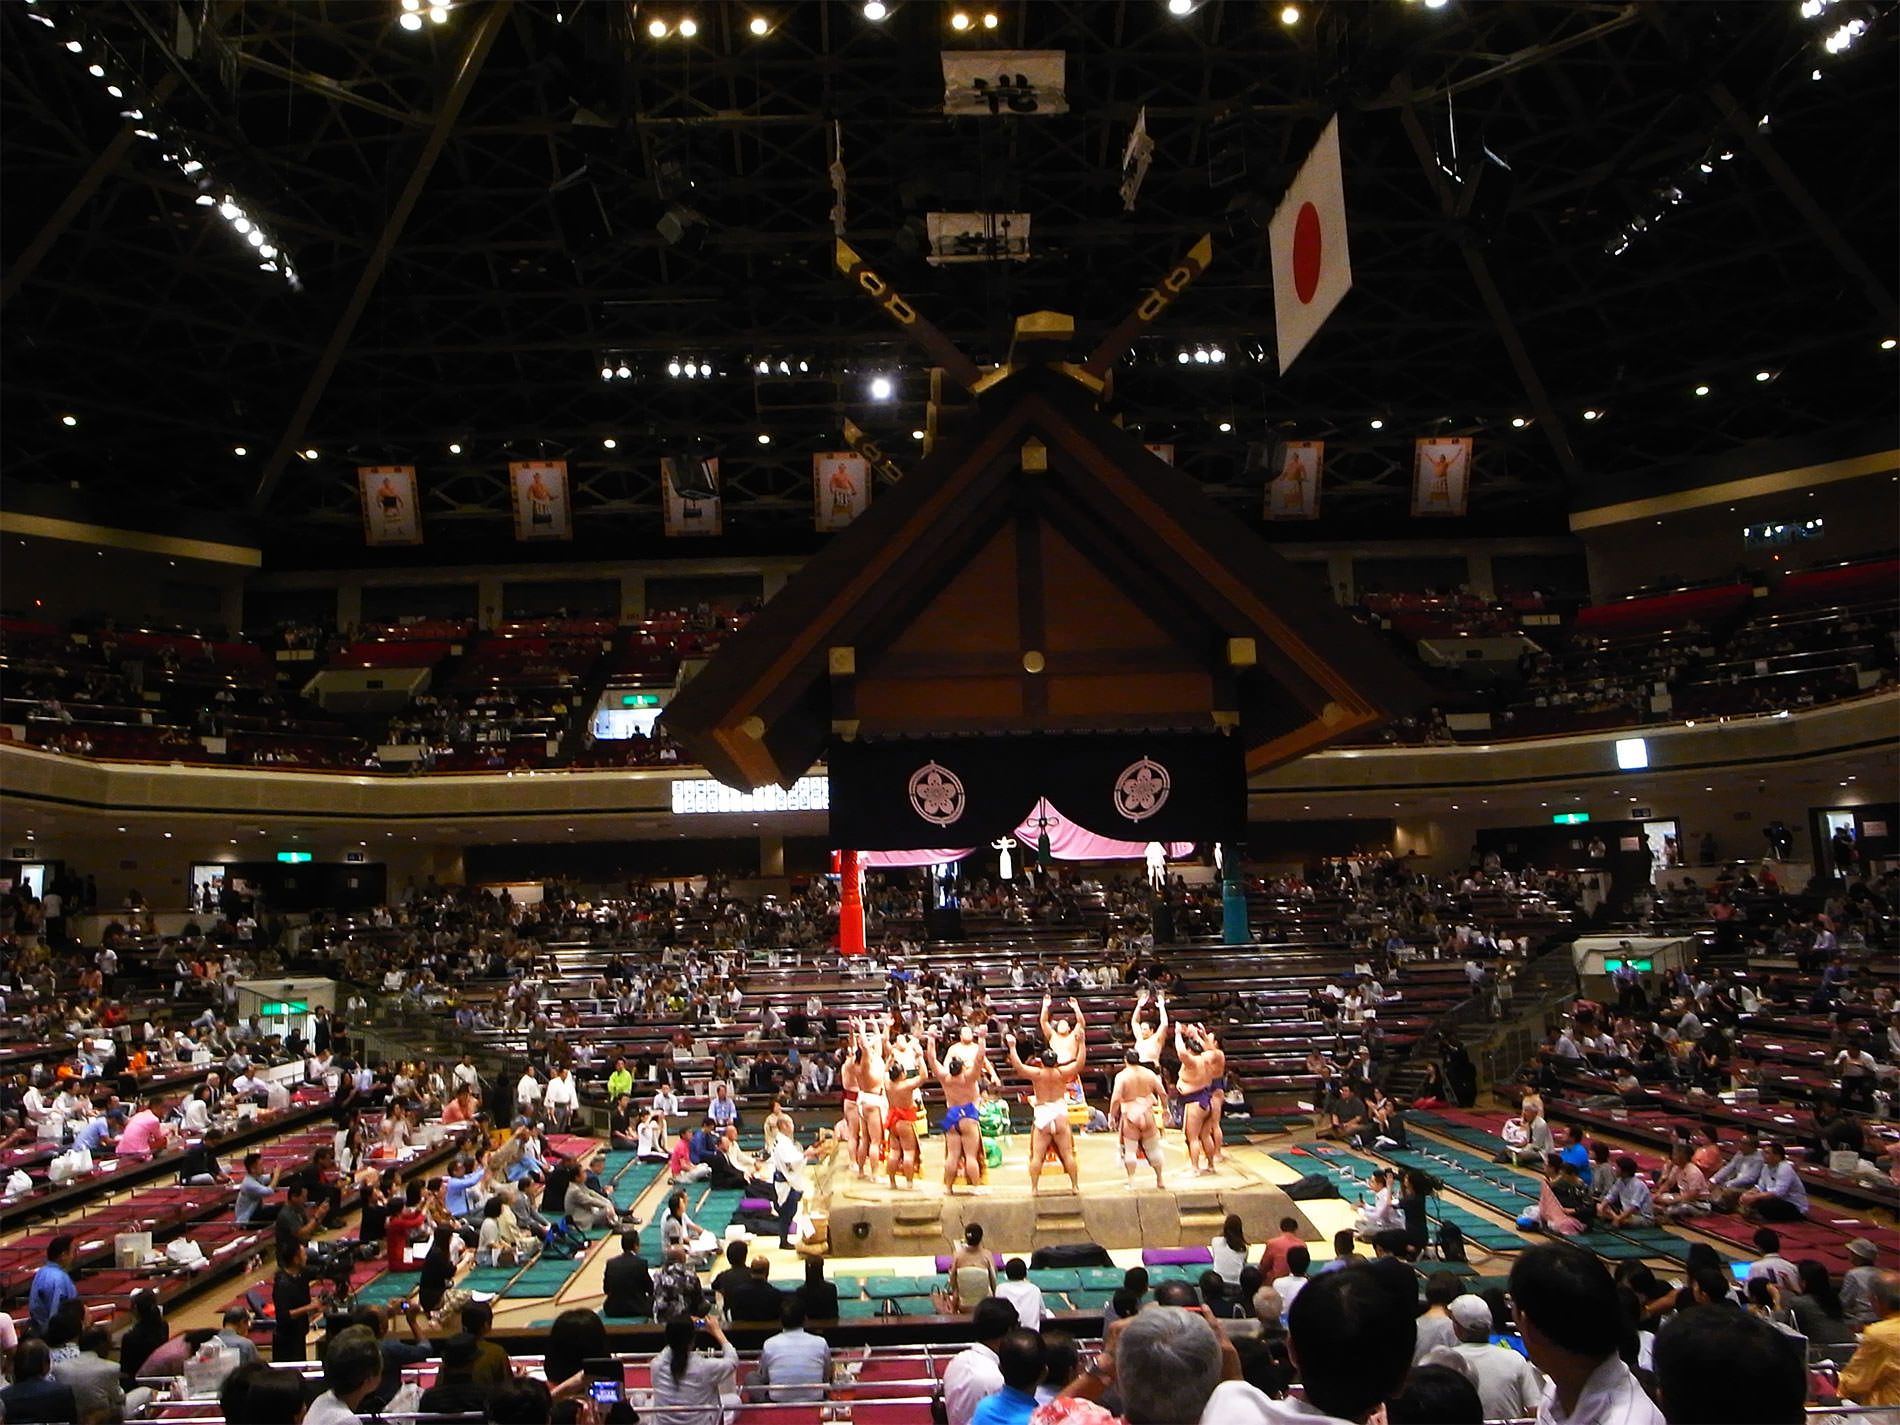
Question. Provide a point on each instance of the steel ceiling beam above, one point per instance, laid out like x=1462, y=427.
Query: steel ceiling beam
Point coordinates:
x=468, y=68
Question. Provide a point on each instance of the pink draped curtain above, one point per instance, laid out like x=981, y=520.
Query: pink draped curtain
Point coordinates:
x=1067, y=842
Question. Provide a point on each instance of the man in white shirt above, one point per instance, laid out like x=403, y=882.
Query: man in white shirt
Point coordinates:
x=1738, y=1175
x=1021, y=1293
x=1509, y=1386
x=1772, y=1264
x=352, y=1368
x=562, y=1099
x=1779, y=1195
x=1298, y=1259
x=974, y=1374
x=1568, y=1313
x=528, y=1094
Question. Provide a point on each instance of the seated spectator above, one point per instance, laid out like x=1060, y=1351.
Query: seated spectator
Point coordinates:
x=1571, y=1317
x=1434, y=1327
x=1435, y=1394
x=35, y=1395
x=794, y=1365
x=93, y=1378
x=1872, y=1375
x=1021, y=1293
x=352, y=1369
x=1715, y=1366
x=1771, y=1263
x=456, y=1391
x=1683, y=1190
x=702, y=1383
x=819, y=1297
x=1628, y=1200
x=1289, y=1287
x=975, y=1373
x=1021, y=1359
x=755, y=1298
x=1779, y=1194
x=628, y=1280
x=1509, y=1387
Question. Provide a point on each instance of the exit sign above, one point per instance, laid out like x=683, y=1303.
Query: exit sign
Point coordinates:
x=293, y=858
x=278, y=1008
x=1570, y=818
x=639, y=700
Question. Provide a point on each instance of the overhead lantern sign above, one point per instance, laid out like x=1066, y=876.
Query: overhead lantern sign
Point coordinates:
x=1312, y=268
x=977, y=237
x=1136, y=157
x=1010, y=81
x=689, y=496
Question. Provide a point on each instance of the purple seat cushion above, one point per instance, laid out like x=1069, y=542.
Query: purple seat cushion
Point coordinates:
x=764, y=1204
x=1176, y=1256
x=943, y=1263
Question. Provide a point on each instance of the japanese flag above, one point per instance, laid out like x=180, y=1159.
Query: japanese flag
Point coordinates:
x=1311, y=267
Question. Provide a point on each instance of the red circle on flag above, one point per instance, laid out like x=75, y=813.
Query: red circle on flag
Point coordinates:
x=1307, y=252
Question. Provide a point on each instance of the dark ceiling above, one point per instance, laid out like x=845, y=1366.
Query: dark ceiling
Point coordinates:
x=1679, y=202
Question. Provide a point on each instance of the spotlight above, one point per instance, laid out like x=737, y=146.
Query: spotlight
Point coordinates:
x=97, y=71
x=1378, y=424
x=623, y=371
x=657, y=29
x=1225, y=427
x=1702, y=390
x=875, y=10
x=310, y=454
x=118, y=93
x=229, y=210
x=439, y=14
x=805, y=366
x=239, y=450
x=1200, y=356
x=74, y=46
x=1592, y=414
x=705, y=368
x=204, y=200
x=1180, y=7
x=411, y=22
x=1290, y=15
x=411, y=5
x=1216, y=354
x=989, y=20
x=881, y=388
x=1436, y=4
x=255, y=237
x=609, y=443
x=455, y=447
x=959, y=21
x=688, y=28
x=764, y=368
x=673, y=368
x=1518, y=423
x=606, y=373
x=69, y=420
x=1183, y=357
x=764, y=439
x=243, y=225
x=759, y=25
x=1764, y=375
x=916, y=435
x=1887, y=345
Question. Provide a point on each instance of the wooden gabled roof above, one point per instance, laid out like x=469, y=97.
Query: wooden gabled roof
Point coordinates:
x=1041, y=571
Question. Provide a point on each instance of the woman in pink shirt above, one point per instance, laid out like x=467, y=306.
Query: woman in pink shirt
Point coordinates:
x=143, y=1136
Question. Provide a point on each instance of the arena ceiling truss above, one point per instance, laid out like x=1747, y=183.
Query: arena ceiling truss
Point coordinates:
x=1556, y=208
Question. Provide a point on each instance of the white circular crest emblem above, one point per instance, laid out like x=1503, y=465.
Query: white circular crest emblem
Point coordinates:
x=936, y=794
x=1142, y=789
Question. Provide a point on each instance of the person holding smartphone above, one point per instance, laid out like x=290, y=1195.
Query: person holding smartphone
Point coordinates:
x=699, y=1383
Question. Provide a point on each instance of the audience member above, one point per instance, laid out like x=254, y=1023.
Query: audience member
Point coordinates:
x=975, y=1373
x=1572, y=1322
x=1714, y=1366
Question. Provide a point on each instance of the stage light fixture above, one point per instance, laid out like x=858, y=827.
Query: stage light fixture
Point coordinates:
x=1702, y=390
x=1887, y=344
x=990, y=20
x=239, y=450
x=657, y=29
x=1592, y=414
x=875, y=10
x=881, y=388
x=1518, y=423
x=609, y=443
x=688, y=28
x=1378, y=424
x=1225, y=427
x=1764, y=375
x=764, y=438
x=673, y=367
x=411, y=22
x=310, y=454
x=439, y=14
x=69, y=420
x=623, y=371
x=1290, y=15
x=959, y=21
x=1183, y=357
x=916, y=435
x=1180, y=7
x=759, y=25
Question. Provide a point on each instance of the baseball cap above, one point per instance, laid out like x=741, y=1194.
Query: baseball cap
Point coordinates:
x=1470, y=1312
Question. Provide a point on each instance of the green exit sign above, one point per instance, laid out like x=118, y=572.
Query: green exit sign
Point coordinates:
x=639, y=700
x=293, y=858
x=278, y=1008
x=1570, y=818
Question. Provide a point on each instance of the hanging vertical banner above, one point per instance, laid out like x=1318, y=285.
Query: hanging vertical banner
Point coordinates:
x=1163, y=453
x=1293, y=494
x=1006, y=81
x=1441, y=475
x=840, y=488
x=1312, y=269
x=689, y=497
x=541, y=507
x=390, y=515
